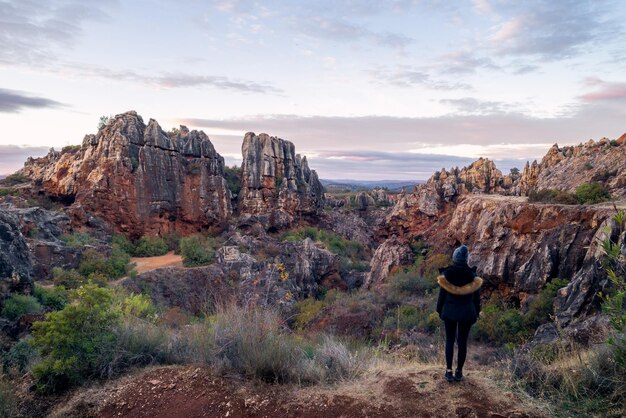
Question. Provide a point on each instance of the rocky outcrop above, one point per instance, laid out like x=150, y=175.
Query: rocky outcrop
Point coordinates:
x=277, y=184
x=42, y=231
x=138, y=178
x=581, y=296
x=16, y=268
x=565, y=168
x=516, y=245
x=391, y=253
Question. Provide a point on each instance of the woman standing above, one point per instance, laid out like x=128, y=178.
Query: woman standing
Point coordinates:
x=459, y=306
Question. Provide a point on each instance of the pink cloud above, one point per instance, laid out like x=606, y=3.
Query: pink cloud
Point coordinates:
x=605, y=91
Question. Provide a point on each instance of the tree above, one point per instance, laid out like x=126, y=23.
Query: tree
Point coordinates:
x=104, y=120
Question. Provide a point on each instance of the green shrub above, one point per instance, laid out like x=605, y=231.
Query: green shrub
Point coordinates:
x=55, y=297
x=540, y=309
x=139, y=306
x=500, y=325
x=150, y=247
x=590, y=193
x=18, y=305
x=69, y=279
x=14, y=179
x=8, y=192
x=552, y=196
x=123, y=244
x=197, y=250
x=306, y=311
x=70, y=148
x=77, y=239
x=408, y=281
x=19, y=357
x=113, y=267
x=233, y=179
x=76, y=343
x=173, y=241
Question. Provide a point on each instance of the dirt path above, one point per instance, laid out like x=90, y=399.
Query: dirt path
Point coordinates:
x=144, y=264
x=185, y=391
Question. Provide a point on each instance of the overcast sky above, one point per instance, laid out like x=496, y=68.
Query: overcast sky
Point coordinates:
x=367, y=89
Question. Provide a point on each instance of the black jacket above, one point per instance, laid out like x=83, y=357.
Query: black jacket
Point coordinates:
x=459, y=295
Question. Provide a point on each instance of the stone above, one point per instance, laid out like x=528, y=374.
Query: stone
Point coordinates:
x=277, y=184
x=139, y=179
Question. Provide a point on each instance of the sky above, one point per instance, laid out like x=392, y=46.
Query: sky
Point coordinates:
x=366, y=89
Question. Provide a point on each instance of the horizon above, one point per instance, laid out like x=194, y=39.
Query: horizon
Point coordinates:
x=393, y=89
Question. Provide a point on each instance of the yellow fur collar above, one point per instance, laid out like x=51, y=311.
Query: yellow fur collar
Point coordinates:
x=460, y=290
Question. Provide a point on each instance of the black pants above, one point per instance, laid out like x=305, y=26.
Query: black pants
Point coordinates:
x=459, y=331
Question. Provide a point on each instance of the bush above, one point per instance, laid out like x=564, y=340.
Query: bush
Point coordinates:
x=14, y=179
x=408, y=281
x=112, y=267
x=233, y=179
x=55, y=297
x=150, y=247
x=197, y=250
x=70, y=279
x=269, y=352
x=139, y=306
x=18, y=305
x=77, y=239
x=77, y=342
x=123, y=243
x=590, y=193
x=552, y=196
x=540, y=309
x=19, y=357
x=500, y=325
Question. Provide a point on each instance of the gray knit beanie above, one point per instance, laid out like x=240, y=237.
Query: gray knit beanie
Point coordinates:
x=460, y=255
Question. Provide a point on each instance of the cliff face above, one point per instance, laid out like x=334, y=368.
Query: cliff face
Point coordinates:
x=277, y=184
x=138, y=178
x=566, y=168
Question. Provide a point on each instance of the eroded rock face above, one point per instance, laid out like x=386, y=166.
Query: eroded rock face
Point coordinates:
x=393, y=252
x=565, y=168
x=580, y=297
x=138, y=178
x=517, y=244
x=277, y=184
x=16, y=268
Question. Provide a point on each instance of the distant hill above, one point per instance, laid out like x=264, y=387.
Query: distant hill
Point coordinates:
x=354, y=185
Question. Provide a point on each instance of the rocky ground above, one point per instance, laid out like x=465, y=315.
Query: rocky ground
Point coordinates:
x=384, y=391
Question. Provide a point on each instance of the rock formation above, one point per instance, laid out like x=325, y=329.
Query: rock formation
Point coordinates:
x=138, y=178
x=566, y=168
x=16, y=268
x=277, y=184
x=393, y=252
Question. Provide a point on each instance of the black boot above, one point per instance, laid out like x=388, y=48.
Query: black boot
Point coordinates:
x=458, y=375
x=449, y=376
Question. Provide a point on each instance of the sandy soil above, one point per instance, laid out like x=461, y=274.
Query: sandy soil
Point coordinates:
x=187, y=391
x=144, y=264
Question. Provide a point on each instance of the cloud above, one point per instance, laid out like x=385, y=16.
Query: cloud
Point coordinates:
x=406, y=76
x=488, y=129
x=551, y=30
x=12, y=157
x=31, y=30
x=341, y=30
x=605, y=91
x=12, y=101
x=473, y=106
x=168, y=80
x=464, y=62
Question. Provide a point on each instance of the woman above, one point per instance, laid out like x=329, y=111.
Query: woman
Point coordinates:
x=458, y=306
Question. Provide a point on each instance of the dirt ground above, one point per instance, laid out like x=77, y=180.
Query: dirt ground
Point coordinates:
x=144, y=264
x=186, y=391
